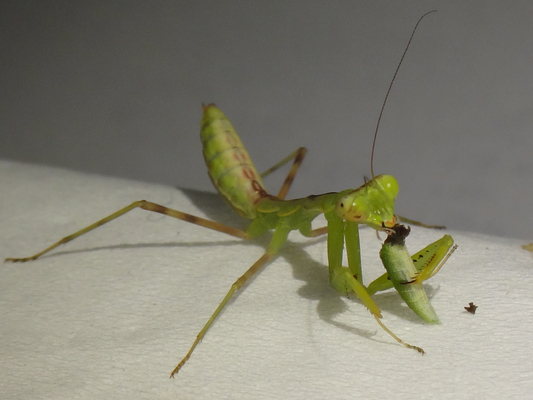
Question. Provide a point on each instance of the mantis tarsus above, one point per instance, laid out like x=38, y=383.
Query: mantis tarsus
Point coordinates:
x=237, y=180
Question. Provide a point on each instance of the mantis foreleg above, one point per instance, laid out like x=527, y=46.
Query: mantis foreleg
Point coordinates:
x=353, y=250
x=343, y=279
x=298, y=157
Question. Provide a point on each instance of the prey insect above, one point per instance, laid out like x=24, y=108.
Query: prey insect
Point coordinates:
x=239, y=183
x=407, y=273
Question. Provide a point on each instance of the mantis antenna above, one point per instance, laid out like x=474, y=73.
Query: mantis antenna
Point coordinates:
x=389, y=89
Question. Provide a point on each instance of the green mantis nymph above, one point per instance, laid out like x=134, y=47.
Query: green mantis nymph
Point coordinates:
x=241, y=186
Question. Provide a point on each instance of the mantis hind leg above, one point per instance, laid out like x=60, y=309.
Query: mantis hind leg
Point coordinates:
x=145, y=205
x=344, y=282
x=348, y=280
x=297, y=157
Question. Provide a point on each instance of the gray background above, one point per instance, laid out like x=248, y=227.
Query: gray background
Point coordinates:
x=115, y=88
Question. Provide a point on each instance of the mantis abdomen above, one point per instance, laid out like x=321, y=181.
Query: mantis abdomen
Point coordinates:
x=229, y=166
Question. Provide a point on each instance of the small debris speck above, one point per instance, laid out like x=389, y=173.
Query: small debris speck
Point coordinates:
x=471, y=308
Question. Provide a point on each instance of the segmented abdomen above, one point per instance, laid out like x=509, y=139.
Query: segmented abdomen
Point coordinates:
x=229, y=165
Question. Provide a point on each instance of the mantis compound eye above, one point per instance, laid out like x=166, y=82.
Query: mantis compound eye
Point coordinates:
x=348, y=209
x=389, y=184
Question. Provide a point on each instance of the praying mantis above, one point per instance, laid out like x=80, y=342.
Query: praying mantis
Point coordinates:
x=241, y=186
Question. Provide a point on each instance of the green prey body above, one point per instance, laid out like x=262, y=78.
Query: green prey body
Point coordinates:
x=407, y=273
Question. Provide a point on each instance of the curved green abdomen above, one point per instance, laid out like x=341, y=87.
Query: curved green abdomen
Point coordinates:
x=229, y=165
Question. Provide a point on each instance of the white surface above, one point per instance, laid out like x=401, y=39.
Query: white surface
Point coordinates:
x=115, y=87
x=110, y=314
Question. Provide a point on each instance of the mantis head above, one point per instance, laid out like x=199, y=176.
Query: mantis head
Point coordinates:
x=371, y=204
